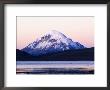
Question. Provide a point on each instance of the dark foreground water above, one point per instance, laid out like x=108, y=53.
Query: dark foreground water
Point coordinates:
x=55, y=67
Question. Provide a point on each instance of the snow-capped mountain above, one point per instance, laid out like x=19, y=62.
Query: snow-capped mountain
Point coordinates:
x=52, y=41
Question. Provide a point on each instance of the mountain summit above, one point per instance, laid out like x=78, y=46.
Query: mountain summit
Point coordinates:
x=52, y=41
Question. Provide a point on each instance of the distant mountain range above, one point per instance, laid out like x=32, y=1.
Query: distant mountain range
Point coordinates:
x=86, y=54
x=55, y=46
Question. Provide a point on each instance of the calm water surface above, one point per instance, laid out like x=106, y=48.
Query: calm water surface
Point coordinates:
x=55, y=67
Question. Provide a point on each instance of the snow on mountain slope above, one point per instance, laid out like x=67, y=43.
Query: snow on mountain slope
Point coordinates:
x=52, y=41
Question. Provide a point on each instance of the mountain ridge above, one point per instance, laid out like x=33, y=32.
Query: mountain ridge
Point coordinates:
x=86, y=54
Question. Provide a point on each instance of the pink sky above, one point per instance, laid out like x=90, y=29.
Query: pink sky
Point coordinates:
x=79, y=29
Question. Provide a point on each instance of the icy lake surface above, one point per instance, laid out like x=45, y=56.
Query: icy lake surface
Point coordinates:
x=55, y=67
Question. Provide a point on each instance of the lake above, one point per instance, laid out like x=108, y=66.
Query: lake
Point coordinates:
x=55, y=67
